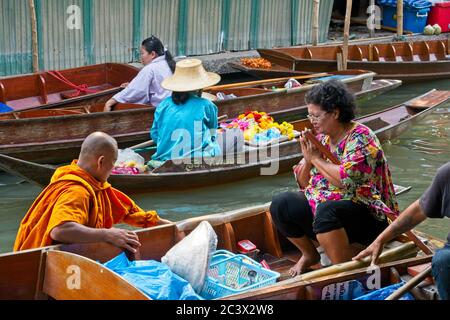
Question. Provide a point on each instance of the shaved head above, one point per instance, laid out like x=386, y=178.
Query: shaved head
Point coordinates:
x=98, y=155
x=96, y=145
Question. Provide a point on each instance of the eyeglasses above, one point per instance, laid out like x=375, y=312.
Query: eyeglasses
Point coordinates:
x=315, y=118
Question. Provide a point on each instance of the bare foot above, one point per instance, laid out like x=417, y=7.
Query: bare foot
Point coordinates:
x=304, y=263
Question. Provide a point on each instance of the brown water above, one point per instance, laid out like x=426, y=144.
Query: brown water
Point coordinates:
x=414, y=158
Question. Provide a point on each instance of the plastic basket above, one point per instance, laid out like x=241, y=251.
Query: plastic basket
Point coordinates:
x=230, y=274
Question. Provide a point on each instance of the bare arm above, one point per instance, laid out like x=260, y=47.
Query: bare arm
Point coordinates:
x=72, y=232
x=329, y=170
x=109, y=104
x=410, y=218
x=304, y=175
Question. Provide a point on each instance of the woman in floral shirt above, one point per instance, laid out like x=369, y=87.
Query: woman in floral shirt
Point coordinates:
x=338, y=204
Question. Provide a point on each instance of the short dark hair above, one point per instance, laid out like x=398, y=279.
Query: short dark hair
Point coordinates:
x=334, y=95
x=180, y=98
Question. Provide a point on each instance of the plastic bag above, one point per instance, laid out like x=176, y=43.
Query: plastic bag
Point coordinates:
x=5, y=108
x=153, y=278
x=222, y=96
x=292, y=83
x=129, y=159
x=190, y=258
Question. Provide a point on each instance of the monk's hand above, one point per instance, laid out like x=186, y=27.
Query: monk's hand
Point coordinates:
x=124, y=239
x=124, y=85
x=374, y=251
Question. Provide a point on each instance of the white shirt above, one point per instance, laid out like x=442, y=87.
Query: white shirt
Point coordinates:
x=146, y=87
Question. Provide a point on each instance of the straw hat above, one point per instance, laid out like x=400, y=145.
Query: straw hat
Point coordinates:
x=190, y=75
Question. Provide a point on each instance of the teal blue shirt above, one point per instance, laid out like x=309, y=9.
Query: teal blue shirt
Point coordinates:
x=185, y=131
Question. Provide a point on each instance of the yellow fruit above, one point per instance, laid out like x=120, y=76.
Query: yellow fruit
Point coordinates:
x=131, y=164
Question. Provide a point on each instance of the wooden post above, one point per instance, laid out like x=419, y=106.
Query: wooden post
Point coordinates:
x=400, y=18
x=34, y=36
x=315, y=28
x=372, y=13
x=348, y=17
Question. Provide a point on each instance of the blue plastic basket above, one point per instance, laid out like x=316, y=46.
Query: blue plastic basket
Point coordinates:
x=229, y=274
x=414, y=18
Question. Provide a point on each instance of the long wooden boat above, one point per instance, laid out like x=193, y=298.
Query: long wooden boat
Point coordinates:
x=44, y=273
x=54, y=136
x=406, y=61
x=253, y=162
x=49, y=89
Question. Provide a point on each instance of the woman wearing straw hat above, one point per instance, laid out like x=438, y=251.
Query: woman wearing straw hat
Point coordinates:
x=185, y=124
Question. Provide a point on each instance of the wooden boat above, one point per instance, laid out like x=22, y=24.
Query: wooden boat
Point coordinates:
x=54, y=136
x=254, y=161
x=44, y=273
x=406, y=61
x=50, y=89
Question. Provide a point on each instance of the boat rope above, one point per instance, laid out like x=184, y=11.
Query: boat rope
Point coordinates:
x=83, y=88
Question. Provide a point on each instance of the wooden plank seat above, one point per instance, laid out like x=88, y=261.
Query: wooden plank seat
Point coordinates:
x=46, y=113
x=72, y=277
x=241, y=92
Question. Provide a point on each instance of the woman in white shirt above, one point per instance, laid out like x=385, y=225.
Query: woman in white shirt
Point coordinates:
x=146, y=87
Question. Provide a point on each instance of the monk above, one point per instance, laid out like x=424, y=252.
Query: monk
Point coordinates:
x=80, y=206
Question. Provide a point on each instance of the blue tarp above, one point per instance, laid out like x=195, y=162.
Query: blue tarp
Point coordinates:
x=153, y=278
x=5, y=108
x=383, y=293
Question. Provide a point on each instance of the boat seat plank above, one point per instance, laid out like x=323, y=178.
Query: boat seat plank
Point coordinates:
x=242, y=92
x=409, y=52
x=307, y=54
x=392, y=54
x=376, y=54
x=42, y=85
x=130, y=106
x=72, y=277
x=425, y=52
x=357, y=54
x=441, y=51
x=46, y=113
x=433, y=98
x=271, y=237
x=2, y=93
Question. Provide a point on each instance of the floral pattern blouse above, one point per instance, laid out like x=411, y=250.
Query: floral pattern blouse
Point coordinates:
x=364, y=173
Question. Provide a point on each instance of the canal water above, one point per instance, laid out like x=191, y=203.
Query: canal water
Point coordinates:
x=414, y=158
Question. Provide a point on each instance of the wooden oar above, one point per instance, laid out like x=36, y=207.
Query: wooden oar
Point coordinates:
x=151, y=143
x=327, y=153
x=410, y=284
x=253, y=83
x=143, y=145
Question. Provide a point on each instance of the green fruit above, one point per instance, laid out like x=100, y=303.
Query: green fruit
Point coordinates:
x=437, y=29
x=429, y=30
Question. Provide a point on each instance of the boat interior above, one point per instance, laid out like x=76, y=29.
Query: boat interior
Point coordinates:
x=77, y=110
x=387, y=52
x=47, y=275
x=45, y=88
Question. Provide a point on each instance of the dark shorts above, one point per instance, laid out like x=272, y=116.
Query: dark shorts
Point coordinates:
x=292, y=215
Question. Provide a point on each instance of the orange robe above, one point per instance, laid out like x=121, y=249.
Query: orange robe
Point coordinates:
x=75, y=196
